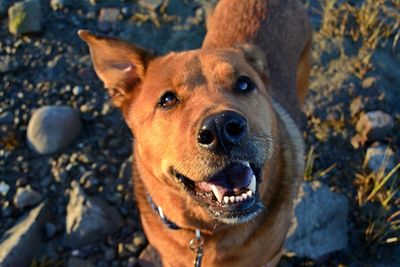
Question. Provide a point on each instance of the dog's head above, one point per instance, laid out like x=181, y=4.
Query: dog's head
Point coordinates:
x=202, y=120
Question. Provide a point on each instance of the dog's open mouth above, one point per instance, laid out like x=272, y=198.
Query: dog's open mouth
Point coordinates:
x=229, y=194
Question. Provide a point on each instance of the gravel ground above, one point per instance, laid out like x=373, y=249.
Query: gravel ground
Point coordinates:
x=52, y=67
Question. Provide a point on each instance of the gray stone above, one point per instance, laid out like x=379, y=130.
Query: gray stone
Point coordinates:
x=25, y=17
x=52, y=128
x=77, y=90
x=26, y=197
x=89, y=219
x=374, y=125
x=320, y=224
x=4, y=188
x=379, y=157
x=76, y=262
x=20, y=244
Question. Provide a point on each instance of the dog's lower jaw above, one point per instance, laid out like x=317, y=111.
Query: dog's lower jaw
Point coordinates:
x=234, y=220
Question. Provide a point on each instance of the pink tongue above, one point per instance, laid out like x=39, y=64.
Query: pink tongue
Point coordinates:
x=230, y=180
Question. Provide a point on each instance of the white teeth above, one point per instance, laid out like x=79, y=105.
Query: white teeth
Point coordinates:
x=226, y=199
x=249, y=193
x=252, y=185
x=235, y=199
x=251, y=190
x=218, y=194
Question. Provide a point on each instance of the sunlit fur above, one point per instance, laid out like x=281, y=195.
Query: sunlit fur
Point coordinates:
x=266, y=40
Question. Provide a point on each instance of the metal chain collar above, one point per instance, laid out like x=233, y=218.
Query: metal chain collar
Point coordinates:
x=196, y=245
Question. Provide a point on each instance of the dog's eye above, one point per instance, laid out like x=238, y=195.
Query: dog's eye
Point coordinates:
x=168, y=100
x=244, y=84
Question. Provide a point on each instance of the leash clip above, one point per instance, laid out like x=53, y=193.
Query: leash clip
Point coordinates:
x=196, y=245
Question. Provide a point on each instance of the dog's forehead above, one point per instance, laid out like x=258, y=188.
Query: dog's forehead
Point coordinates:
x=196, y=68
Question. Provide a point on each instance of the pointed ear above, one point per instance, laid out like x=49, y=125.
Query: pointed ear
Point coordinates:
x=256, y=58
x=121, y=66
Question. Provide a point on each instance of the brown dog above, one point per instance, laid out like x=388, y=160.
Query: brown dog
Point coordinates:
x=216, y=148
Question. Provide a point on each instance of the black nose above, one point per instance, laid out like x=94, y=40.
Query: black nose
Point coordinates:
x=223, y=130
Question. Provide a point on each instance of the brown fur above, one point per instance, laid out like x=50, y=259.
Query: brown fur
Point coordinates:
x=239, y=33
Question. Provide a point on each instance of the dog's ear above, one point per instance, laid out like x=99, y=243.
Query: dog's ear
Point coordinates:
x=256, y=58
x=121, y=66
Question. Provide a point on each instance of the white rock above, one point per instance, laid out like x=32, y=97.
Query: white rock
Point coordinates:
x=52, y=128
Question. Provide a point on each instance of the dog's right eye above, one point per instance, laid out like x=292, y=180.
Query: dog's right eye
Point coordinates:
x=244, y=85
x=168, y=100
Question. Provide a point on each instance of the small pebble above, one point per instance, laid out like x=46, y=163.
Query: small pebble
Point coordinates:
x=4, y=188
x=26, y=197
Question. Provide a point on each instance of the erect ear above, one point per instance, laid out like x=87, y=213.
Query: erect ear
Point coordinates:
x=121, y=66
x=256, y=58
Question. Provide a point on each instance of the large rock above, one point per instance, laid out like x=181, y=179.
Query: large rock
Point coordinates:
x=320, y=225
x=25, y=17
x=89, y=219
x=52, y=128
x=20, y=244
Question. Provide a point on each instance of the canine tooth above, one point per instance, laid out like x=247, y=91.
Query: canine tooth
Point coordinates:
x=218, y=194
x=244, y=196
x=249, y=193
x=232, y=199
x=226, y=199
x=252, y=185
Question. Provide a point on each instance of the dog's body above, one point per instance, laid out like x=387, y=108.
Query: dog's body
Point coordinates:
x=211, y=124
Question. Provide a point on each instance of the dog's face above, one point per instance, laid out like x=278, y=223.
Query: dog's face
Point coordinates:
x=202, y=120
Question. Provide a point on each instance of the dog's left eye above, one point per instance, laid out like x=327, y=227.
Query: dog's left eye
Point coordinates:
x=168, y=100
x=244, y=84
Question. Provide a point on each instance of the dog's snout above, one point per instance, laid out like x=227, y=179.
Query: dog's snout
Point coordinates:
x=222, y=130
